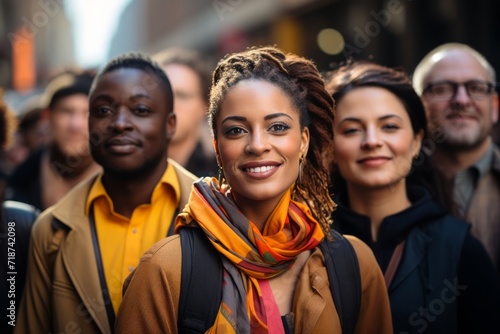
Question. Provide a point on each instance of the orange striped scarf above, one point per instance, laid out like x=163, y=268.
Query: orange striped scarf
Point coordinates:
x=248, y=254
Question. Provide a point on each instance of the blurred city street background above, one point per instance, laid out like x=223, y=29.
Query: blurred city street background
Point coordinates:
x=41, y=37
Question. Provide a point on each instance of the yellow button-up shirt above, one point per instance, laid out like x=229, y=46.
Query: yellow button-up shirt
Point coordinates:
x=122, y=241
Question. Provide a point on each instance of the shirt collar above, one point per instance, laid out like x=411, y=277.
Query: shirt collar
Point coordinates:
x=483, y=165
x=168, y=179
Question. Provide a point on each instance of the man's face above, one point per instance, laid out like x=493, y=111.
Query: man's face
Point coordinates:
x=130, y=122
x=69, y=124
x=189, y=105
x=462, y=122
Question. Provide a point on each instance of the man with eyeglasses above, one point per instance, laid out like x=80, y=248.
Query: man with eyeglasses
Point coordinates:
x=457, y=86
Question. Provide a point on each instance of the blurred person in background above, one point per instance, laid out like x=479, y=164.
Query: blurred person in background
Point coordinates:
x=496, y=133
x=84, y=246
x=457, y=86
x=14, y=155
x=439, y=277
x=49, y=173
x=32, y=134
x=34, y=125
x=16, y=220
x=190, y=77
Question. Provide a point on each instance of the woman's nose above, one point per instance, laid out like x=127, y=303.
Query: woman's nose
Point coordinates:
x=371, y=139
x=257, y=144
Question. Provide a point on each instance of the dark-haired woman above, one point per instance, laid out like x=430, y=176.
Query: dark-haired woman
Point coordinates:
x=439, y=277
x=271, y=119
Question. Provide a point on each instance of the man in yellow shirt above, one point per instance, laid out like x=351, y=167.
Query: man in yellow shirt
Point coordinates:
x=84, y=247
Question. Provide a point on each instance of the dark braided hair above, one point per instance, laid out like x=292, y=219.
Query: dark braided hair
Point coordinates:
x=301, y=81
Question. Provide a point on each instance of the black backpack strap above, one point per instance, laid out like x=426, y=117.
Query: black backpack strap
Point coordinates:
x=201, y=282
x=172, y=223
x=345, y=279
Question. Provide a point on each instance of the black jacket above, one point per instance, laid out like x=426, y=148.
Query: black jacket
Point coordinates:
x=16, y=219
x=25, y=183
x=445, y=282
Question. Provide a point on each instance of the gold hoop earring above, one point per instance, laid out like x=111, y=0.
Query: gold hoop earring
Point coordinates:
x=300, y=168
x=220, y=175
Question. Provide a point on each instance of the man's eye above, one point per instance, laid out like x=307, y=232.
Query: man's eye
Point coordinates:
x=142, y=110
x=442, y=89
x=478, y=88
x=102, y=111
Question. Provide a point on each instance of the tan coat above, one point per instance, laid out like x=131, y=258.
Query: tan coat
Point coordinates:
x=63, y=293
x=484, y=211
x=152, y=294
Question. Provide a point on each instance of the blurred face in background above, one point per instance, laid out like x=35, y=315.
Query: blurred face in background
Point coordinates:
x=189, y=105
x=69, y=124
x=464, y=118
x=374, y=140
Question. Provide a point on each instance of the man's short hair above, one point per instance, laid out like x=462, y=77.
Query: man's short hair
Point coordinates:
x=141, y=61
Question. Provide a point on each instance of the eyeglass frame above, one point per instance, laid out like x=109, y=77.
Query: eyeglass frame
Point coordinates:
x=491, y=88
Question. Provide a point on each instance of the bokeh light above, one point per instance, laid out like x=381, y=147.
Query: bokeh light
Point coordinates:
x=330, y=41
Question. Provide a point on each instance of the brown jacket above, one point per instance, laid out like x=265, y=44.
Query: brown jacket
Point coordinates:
x=484, y=210
x=63, y=293
x=151, y=294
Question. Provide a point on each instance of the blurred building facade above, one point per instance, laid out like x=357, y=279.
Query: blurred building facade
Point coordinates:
x=36, y=42
x=391, y=32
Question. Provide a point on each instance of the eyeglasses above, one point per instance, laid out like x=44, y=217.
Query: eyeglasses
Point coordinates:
x=445, y=90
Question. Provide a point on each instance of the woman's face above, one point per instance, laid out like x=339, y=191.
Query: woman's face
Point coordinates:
x=259, y=141
x=374, y=140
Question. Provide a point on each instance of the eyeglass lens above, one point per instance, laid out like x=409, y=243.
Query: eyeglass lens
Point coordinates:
x=448, y=89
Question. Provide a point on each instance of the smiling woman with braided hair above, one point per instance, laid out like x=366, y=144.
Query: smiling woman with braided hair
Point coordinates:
x=265, y=217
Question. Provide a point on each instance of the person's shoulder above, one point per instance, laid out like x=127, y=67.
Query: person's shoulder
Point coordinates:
x=83, y=186
x=67, y=211
x=359, y=246
x=75, y=199
x=368, y=265
x=43, y=228
x=473, y=248
x=164, y=251
x=20, y=210
x=496, y=158
x=20, y=214
x=446, y=227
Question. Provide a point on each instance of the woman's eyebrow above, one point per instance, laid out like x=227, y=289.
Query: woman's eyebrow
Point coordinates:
x=276, y=115
x=234, y=118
